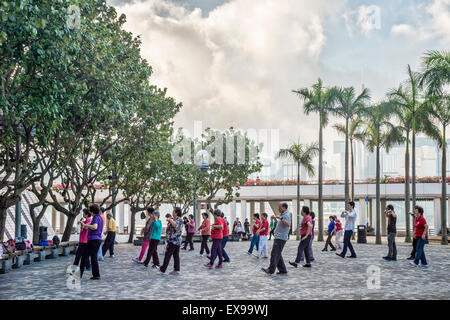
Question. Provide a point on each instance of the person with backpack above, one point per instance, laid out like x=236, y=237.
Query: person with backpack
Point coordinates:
x=95, y=228
x=82, y=244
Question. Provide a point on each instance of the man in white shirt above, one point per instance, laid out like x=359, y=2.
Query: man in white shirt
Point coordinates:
x=350, y=219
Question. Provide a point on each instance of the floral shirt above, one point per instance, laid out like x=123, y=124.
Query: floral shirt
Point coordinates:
x=174, y=233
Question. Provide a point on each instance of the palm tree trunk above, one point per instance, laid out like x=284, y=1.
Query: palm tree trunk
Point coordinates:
x=444, y=239
x=352, y=172
x=407, y=194
x=378, y=233
x=298, y=201
x=413, y=168
x=320, y=236
x=346, y=184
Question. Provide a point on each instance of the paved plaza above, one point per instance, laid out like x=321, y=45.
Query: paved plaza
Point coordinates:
x=331, y=277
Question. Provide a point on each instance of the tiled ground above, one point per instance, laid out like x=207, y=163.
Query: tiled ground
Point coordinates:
x=330, y=277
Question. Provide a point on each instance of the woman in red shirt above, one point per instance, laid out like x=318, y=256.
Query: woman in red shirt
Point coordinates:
x=255, y=237
x=205, y=229
x=421, y=233
x=216, y=236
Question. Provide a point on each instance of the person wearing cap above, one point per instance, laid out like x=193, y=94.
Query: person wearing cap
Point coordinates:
x=110, y=236
x=100, y=250
x=155, y=238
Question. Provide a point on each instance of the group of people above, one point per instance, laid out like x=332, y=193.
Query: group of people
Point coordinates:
x=92, y=226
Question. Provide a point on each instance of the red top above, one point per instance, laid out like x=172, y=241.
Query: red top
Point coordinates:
x=256, y=226
x=217, y=233
x=304, y=226
x=338, y=225
x=265, y=225
x=419, y=225
x=225, y=228
x=205, y=228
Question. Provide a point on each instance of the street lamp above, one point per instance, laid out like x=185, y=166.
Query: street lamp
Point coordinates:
x=202, y=164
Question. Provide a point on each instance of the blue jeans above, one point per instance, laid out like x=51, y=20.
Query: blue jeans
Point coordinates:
x=100, y=253
x=347, y=243
x=420, y=253
x=255, y=241
x=224, y=253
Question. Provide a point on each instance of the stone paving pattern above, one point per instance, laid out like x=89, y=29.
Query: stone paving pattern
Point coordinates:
x=331, y=277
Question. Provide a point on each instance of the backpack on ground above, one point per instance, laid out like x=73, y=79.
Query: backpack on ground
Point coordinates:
x=28, y=244
x=20, y=243
x=10, y=246
x=56, y=240
x=43, y=243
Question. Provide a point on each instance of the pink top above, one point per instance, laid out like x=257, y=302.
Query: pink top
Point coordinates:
x=84, y=232
x=205, y=228
x=338, y=225
x=304, y=227
x=191, y=226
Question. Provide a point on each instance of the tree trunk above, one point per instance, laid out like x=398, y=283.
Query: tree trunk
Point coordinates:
x=407, y=194
x=444, y=239
x=320, y=236
x=35, y=231
x=298, y=202
x=352, y=168
x=68, y=229
x=133, y=225
x=378, y=232
x=2, y=222
x=346, y=182
x=413, y=169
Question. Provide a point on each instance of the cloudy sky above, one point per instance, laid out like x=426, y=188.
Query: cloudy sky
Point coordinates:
x=235, y=62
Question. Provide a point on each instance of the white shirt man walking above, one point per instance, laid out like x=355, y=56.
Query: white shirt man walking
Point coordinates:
x=350, y=219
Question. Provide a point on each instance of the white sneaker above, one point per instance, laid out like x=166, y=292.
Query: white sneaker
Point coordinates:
x=174, y=273
x=423, y=265
x=265, y=256
x=256, y=255
x=199, y=255
x=136, y=260
x=413, y=263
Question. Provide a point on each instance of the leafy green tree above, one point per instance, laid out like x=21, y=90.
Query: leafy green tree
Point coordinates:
x=354, y=134
x=348, y=107
x=319, y=100
x=380, y=133
x=303, y=155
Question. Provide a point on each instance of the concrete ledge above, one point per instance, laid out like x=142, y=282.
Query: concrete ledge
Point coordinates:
x=5, y=266
x=19, y=262
x=65, y=251
x=52, y=254
x=40, y=256
x=29, y=258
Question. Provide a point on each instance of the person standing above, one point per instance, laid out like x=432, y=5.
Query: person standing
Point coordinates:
x=421, y=233
x=155, y=238
x=82, y=245
x=146, y=232
x=225, y=238
x=173, y=236
x=313, y=221
x=110, y=236
x=247, y=228
x=339, y=232
x=281, y=235
x=190, y=233
x=262, y=232
x=331, y=231
x=255, y=237
x=100, y=250
x=415, y=239
x=391, y=233
x=272, y=227
x=186, y=229
x=306, y=234
x=350, y=218
x=94, y=238
x=205, y=229
x=216, y=236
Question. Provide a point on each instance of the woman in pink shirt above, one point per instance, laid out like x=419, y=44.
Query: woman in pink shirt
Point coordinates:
x=339, y=232
x=83, y=238
x=190, y=233
x=205, y=229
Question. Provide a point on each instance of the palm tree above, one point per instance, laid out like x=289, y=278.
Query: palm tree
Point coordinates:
x=436, y=74
x=439, y=110
x=407, y=96
x=318, y=100
x=303, y=155
x=380, y=132
x=348, y=107
x=354, y=134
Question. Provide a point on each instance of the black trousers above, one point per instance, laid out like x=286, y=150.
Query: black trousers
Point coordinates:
x=152, y=252
x=189, y=238
x=303, y=249
x=276, y=259
x=272, y=233
x=171, y=250
x=204, y=245
x=80, y=251
x=91, y=252
x=109, y=243
x=328, y=243
x=414, y=244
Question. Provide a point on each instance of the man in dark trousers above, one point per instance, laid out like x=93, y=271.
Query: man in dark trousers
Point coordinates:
x=110, y=235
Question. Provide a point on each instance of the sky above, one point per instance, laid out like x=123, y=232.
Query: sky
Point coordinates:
x=234, y=63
